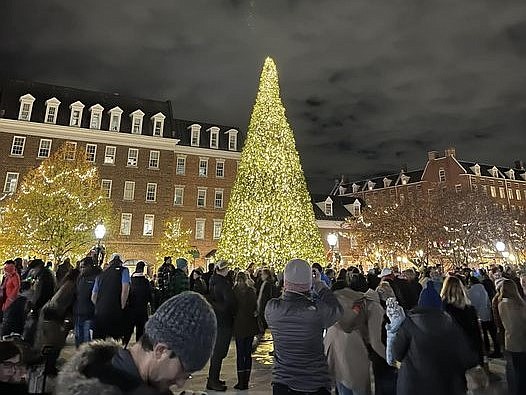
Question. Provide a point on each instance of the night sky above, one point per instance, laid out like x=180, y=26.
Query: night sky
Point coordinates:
x=368, y=84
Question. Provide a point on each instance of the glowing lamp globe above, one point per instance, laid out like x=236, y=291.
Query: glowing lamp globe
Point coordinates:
x=500, y=246
x=332, y=239
x=100, y=231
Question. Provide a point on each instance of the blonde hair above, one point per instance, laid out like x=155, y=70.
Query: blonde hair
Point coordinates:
x=454, y=293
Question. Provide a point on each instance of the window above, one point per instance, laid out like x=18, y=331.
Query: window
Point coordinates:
x=153, y=163
x=137, y=117
x=106, y=188
x=510, y=194
x=195, y=132
x=218, y=226
x=158, y=124
x=91, y=152
x=518, y=194
x=203, y=167
x=201, y=197
x=218, y=199
x=502, y=194
x=149, y=220
x=51, y=110
x=76, y=113
x=476, y=169
x=115, y=119
x=493, y=191
x=129, y=190
x=220, y=168
x=133, y=157
x=126, y=222
x=357, y=208
x=44, y=149
x=11, y=181
x=109, y=155
x=485, y=190
x=179, y=195
x=458, y=188
x=200, y=228
x=232, y=139
x=494, y=172
x=214, y=137
x=328, y=207
x=96, y=116
x=441, y=175
x=17, y=148
x=180, y=167
x=151, y=192
x=26, y=106
x=70, y=151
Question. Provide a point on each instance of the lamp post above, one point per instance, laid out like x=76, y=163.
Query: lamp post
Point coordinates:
x=100, y=231
x=332, y=240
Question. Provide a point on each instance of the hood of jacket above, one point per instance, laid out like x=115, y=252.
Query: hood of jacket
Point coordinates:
x=431, y=321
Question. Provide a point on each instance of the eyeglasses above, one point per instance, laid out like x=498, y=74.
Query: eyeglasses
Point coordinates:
x=10, y=365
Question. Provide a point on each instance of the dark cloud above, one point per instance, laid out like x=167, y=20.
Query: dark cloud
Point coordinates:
x=368, y=85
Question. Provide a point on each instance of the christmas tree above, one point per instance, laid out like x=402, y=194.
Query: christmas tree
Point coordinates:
x=269, y=219
x=175, y=241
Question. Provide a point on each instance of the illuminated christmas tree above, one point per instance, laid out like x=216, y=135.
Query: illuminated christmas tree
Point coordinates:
x=175, y=241
x=270, y=218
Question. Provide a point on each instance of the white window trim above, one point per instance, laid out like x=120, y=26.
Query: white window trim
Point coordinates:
x=199, y=221
x=68, y=145
x=223, y=162
x=148, y=185
x=158, y=160
x=328, y=207
x=152, y=216
x=202, y=159
x=181, y=188
x=26, y=99
x=232, y=135
x=127, y=215
x=52, y=103
x=159, y=117
x=136, y=157
x=132, y=197
x=136, y=115
x=95, y=109
x=214, y=132
x=201, y=189
x=106, y=155
x=10, y=190
x=108, y=181
x=77, y=106
x=94, y=153
x=183, y=157
x=195, y=129
x=40, y=148
x=442, y=171
x=117, y=111
x=222, y=191
x=220, y=223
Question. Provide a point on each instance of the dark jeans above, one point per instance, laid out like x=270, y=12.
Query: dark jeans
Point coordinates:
x=491, y=328
x=224, y=336
x=385, y=376
x=281, y=389
x=83, y=331
x=244, y=353
x=516, y=372
x=137, y=322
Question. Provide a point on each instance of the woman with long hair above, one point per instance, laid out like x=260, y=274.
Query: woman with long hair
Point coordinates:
x=512, y=311
x=457, y=304
x=245, y=328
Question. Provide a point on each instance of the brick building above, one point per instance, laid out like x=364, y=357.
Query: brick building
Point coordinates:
x=152, y=165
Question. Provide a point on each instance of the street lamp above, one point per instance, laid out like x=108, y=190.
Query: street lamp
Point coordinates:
x=500, y=246
x=100, y=231
x=332, y=240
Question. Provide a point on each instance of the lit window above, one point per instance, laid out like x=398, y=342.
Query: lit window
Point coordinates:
x=518, y=194
x=179, y=196
x=149, y=220
x=218, y=226
x=96, y=116
x=106, y=188
x=76, y=113
x=493, y=191
x=201, y=197
x=91, y=152
x=70, y=151
x=133, y=157
x=510, y=194
x=200, y=228
x=51, y=110
x=115, y=119
x=126, y=222
x=109, y=155
x=11, y=181
x=137, y=117
x=220, y=168
x=158, y=124
x=129, y=190
x=26, y=106
x=153, y=163
x=44, y=149
x=151, y=192
x=502, y=194
x=218, y=199
x=17, y=148
x=214, y=137
x=180, y=167
x=441, y=175
x=203, y=167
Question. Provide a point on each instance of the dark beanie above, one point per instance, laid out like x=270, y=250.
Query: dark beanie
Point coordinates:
x=187, y=324
x=429, y=297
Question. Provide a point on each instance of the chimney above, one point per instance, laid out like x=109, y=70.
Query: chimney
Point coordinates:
x=404, y=168
x=519, y=165
x=432, y=155
x=451, y=151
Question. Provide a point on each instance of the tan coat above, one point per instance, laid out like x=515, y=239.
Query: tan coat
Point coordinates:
x=347, y=352
x=513, y=317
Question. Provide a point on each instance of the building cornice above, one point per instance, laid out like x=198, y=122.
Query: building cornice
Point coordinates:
x=328, y=224
x=207, y=152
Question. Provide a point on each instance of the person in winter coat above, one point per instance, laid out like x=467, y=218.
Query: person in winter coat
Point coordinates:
x=177, y=342
x=197, y=284
x=346, y=342
x=10, y=285
x=266, y=292
x=245, y=328
x=458, y=305
x=428, y=364
x=62, y=270
x=140, y=297
x=84, y=309
x=15, y=316
x=180, y=279
x=224, y=303
x=512, y=310
x=297, y=323
x=208, y=275
x=480, y=300
x=165, y=280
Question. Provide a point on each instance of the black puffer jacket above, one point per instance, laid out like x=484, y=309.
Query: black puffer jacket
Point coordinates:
x=245, y=320
x=222, y=299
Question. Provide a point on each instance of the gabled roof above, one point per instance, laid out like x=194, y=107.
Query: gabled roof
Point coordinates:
x=183, y=133
x=378, y=181
x=339, y=210
x=485, y=170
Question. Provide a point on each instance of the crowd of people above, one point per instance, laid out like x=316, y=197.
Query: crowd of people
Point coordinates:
x=416, y=331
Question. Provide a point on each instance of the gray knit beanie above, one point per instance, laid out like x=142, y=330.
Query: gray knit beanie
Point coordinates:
x=187, y=324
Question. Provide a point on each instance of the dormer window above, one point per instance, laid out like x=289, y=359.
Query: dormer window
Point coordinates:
x=476, y=169
x=195, y=134
x=404, y=179
x=494, y=172
x=370, y=185
x=115, y=119
x=355, y=188
x=51, y=110
x=26, y=106
x=137, y=117
x=441, y=175
x=232, y=139
x=214, y=137
x=76, y=113
x=511, y=174
x=357, y=208
x=328, y=207
x=158, y=124
x=387, y=182
x=96, y=116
